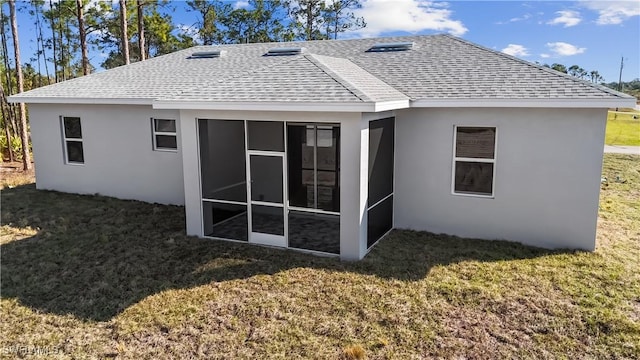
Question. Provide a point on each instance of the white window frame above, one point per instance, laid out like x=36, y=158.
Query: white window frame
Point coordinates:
x=65, y=140
x=478, y=160
x=154, y=133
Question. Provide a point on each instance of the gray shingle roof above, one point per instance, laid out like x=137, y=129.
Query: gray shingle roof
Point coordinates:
x=438, y=67
x=304, y=78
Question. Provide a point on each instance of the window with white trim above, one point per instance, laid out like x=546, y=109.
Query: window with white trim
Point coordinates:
x=72, y=134
x=474, y=161
x=164, y=134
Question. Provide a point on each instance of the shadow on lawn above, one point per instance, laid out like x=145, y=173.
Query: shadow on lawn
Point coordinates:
x=95, y=256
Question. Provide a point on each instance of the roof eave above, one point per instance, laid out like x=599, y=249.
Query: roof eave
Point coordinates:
x=76, y=100
x=283, y=105
x=392, y=105
x=526, y=103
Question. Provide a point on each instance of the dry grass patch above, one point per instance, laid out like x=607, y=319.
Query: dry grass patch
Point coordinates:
x=12, y=175
x=354, y=352
x=96, y=277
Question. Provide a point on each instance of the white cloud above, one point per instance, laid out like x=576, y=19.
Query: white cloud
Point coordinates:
x=407, y=15
x=241, y=4
x=567, y=18
x=516, y=50
x=544, y=56
x=613, y=12
x=524, y=17
x=565, y=49
x=515, y=19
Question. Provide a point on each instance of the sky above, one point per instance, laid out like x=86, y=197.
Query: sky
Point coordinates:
x=595, y=35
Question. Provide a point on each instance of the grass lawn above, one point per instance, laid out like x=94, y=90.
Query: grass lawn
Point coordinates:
x=623, y=129
x=96, y=277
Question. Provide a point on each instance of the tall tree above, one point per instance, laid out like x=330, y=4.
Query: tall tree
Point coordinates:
x=64, y=39
x=595, y=77
x=53, y=41
x=261, y=21
x=577, y=71
x=339, y=17
x=141, y=44
x=5, y=120
x=24, y=137
x=210, y=11
x=61, y=45
x=83, y=37
x=269, y=18
x=308, y=17
x=8, y=78
x=159, y=32
x=37, y=12
x=124, y=33
x=559, y=67
x=239, y=27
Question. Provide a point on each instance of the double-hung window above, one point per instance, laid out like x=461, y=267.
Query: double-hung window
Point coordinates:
x=164, y=135
x=474, y=161
x=72, y=134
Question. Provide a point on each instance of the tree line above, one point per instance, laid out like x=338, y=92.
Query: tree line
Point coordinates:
x=71, y=34
x=629, y=87
x=577, y=71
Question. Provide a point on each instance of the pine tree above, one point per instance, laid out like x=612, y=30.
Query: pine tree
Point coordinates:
x=124, y=40
x=83, y=37
x=141, y=42
x=24, y=137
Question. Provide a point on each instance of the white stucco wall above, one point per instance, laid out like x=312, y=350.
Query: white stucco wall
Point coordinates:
x=118, y=153
x=546, y=187
x=548, y=166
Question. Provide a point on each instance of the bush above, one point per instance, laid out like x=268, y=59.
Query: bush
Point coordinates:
x=15, y=144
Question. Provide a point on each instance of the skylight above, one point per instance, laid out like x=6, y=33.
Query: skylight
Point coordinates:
x=384, y=47
x=285, y=51
x=208, y=54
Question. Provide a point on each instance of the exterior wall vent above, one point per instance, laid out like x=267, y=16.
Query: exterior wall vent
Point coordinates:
x=285, y=51
x=208, y=54
x=384, y=47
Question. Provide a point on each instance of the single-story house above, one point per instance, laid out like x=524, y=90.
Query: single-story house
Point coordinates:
x=325, y=146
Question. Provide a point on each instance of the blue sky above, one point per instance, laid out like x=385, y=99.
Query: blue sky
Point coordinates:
x=592, y=34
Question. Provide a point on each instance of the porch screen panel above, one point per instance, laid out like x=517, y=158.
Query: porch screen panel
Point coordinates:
x=301, y=165
x=313, y=153
x=265, y=135
x=328, y=168
x=312, y=231
x=380, y=197
x=223, y=178
x=222, y=160
x=379, y=220
x=313, y=170
x=226, y=221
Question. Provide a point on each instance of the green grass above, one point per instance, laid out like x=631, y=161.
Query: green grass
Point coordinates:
x=96, y=277
x=623, y=129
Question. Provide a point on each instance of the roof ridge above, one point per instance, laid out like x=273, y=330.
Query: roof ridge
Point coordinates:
x=540, y=67
x=311, y=42
x=352, y=88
